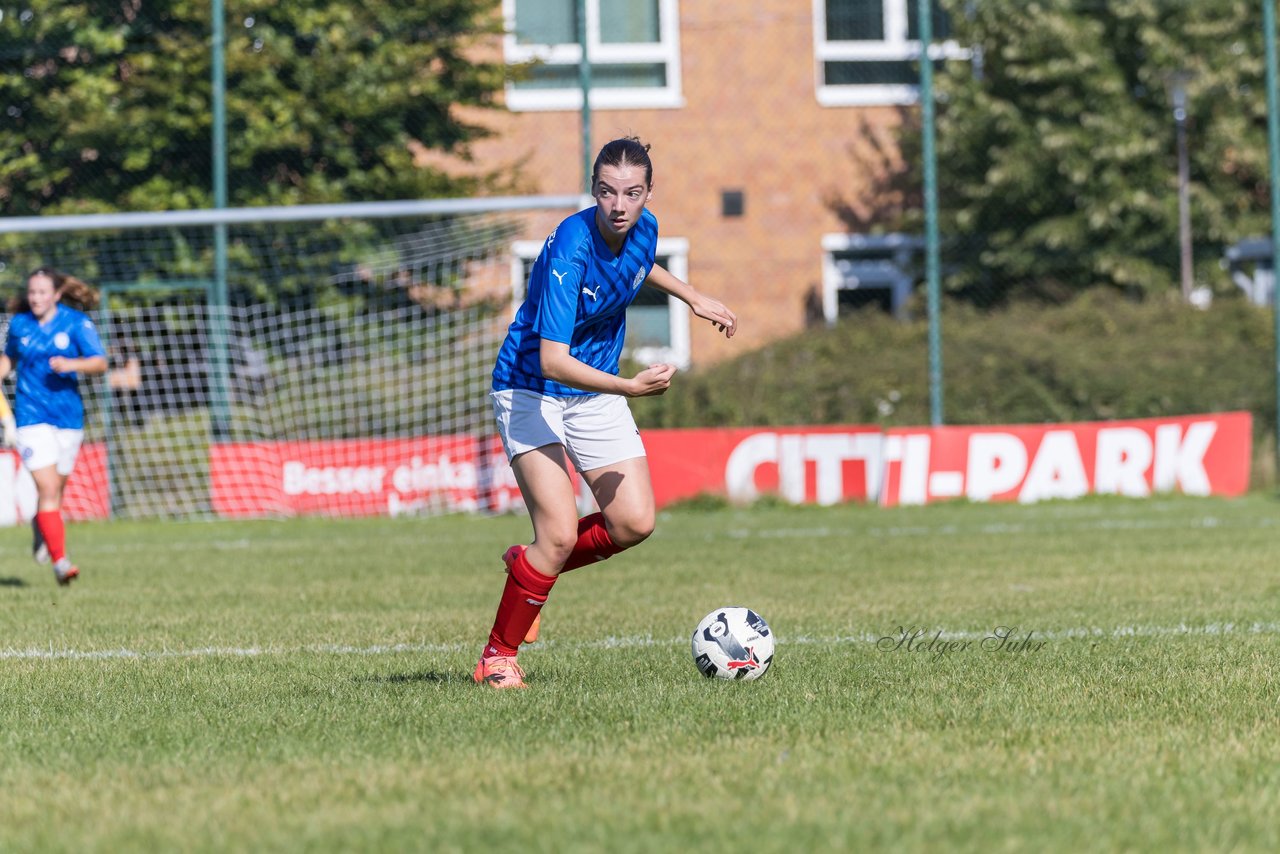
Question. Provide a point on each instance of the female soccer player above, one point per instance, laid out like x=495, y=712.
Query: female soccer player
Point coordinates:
x=50, y=341
x=559, y=400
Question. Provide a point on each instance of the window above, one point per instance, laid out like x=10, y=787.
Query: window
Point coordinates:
x=632, y=45
x=657, y=324
x=867, y=50
x=861, y=270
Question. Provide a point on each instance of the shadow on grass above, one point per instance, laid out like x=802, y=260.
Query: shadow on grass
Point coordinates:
x=404, y=678
x=12, y=582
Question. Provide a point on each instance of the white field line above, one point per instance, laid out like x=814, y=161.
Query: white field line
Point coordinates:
x=639, y=641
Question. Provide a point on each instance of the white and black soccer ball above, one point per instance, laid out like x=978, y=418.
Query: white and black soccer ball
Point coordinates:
x=733, y=643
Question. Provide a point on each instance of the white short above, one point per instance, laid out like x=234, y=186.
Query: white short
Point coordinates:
x=596, y=430
x=43, y=445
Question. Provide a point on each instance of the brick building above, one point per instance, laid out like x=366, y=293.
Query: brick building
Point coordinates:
x=756, y=111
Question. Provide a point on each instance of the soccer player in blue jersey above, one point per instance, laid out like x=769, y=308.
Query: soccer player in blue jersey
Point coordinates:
x=51, y=340
x=559, y=400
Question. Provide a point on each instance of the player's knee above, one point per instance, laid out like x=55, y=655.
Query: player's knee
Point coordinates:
x=633, y=531
x=49, y=496
x=558, y=541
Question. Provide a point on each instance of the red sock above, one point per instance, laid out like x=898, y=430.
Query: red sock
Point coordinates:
x=55, y=536
x=522, y=599
x=593, y=543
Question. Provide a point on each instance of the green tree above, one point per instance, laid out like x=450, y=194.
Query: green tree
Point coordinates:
x=106, y=106
x=1056, y=144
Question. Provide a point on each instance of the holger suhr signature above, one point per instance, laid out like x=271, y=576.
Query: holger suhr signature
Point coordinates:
x=1003, y=639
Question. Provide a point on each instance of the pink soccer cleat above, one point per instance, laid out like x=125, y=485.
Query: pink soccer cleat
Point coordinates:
x=499, y=671
x=64, y=572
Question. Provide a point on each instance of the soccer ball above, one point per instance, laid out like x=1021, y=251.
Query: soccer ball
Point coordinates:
x=733, y=643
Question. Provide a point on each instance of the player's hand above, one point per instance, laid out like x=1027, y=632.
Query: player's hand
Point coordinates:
x=10, y=433
x=653, y=380
x=709, y=308
x=60, y=364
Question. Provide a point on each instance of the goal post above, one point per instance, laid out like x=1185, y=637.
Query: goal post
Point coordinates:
x=357, y=339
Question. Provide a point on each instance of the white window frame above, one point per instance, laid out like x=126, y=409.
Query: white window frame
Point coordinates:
x=833, y=281
x=675, y=250
x=895, y=46
x=665, y=51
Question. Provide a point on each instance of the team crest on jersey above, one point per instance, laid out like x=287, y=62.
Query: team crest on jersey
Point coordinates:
x=62, y=340
x=635, y=283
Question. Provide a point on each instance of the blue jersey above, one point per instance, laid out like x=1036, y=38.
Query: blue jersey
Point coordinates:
x=578, y=295
x=45, y=397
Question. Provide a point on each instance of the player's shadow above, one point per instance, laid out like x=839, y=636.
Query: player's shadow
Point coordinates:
x=12, y=582
x=405, y=678
x=606, y=488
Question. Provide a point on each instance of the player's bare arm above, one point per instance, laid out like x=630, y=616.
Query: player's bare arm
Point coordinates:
x=559, y=365
x=708, y=308
x=67, y=365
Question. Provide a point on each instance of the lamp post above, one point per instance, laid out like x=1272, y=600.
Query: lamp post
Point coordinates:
x=1273, y=161
x=218, y=300
x=584, y=83
x=1178, y=94
x=932, y=260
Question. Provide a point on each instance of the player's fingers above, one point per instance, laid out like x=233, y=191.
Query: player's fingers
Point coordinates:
x=725, y=320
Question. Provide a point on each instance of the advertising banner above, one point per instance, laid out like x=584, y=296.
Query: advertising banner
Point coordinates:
x=86, y=496
x=1193, y=455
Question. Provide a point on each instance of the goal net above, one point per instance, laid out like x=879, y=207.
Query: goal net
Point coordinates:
x=337, y=361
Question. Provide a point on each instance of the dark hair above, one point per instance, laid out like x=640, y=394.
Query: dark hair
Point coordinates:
x=69, y=289
x=628, y=149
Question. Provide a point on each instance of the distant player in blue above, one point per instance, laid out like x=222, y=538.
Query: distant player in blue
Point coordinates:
x=559, y=400
x=51, y=340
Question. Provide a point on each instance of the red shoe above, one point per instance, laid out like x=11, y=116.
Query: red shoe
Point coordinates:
x=499, y=671
x=509, y=557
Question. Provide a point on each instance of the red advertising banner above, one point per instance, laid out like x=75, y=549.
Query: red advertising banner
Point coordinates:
x=87, y=495
x=88, y=492
x=804, y=465
x=356, y=477
x=1195, y=455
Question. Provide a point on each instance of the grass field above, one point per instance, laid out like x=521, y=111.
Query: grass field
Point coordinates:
x=305, y=685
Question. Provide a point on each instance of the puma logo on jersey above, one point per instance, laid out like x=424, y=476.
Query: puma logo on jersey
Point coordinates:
x=592, y=293
x=559, y=276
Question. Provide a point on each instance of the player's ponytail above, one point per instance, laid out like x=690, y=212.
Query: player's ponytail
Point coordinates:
x=77, y=294
x=71, y=292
